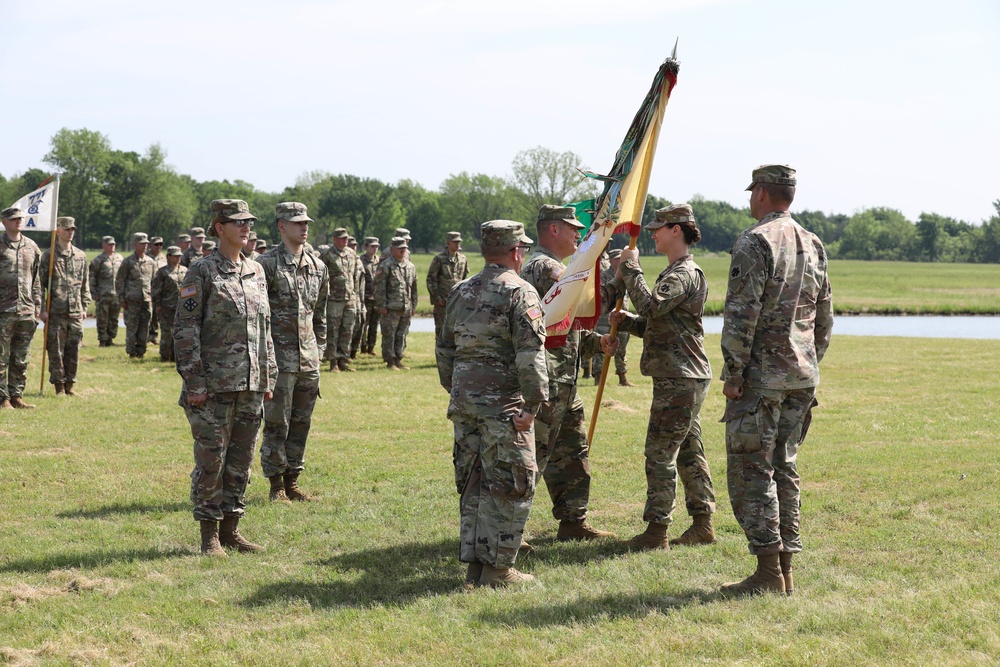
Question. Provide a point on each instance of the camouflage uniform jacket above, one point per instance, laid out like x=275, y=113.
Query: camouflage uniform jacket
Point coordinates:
x=167, y=284
x=222, y=331
x=446, y=272
x=160, y=261
x=343, y=271
x=669, y=320
x=395, y=285
x=491, y=353
x=298, y=295
x=542, y=270
x=368, y=268
x=103, y=271
x=20, y=289
x=612, y=289
x=779, y=309
x=134, y=281
x=190, y=255
x=70, y=281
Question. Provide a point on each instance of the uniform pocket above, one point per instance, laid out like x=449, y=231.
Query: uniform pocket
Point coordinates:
x=743, y=429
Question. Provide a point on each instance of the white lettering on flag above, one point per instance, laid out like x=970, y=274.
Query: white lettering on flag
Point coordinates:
x=37, y=207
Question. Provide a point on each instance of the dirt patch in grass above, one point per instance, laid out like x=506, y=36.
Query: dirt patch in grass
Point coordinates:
x=618, y=406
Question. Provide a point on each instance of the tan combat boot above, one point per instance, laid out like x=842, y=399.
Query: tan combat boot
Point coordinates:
x=654, y=537
x=400, y=366
x=700, y=532
x=69, y=389
x=391, y=365
x=277, y=493
x=785, y=560
x=59, y=388
x=623, y=380
x=229, y=536
x=18, y=402
x=345, y=365
x=579, y=530
x=292, y=490
x=502, y=577
x=473, y=574
x=5, y=405
x=525, y=548
x=334, y=367
x=210, y=539
x=766, y=579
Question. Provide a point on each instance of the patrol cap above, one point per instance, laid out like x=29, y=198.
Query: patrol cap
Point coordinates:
x=197, y=232
x=156, y=240
x=66, y=222
x=781, y=174
x=371, y=240
x=109, y=240
x=615, y=254
x=291, y=211
x=351, y=239
x=399, y=242
x=226, y=210
x=565, y=214
x=404, y=232
x=671, y=215
x=139, y=237
x=185, y=238
x=503, y=234
x=12, y=213
x=340, y=233
x=454, y=236
x=208, y=245
x=174, y=250
x=252, y=236
x=261, y=243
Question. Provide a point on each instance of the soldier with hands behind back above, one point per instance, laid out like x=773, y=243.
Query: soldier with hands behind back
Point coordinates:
x=67, y=305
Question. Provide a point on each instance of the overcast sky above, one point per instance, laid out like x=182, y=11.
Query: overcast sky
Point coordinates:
x=876, y=103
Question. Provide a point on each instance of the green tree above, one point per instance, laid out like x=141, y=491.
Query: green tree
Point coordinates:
x=879, y=234
x=365, y=206
x=468, y=200
x=422, y=210
x=83, y=157
x=720, y=223
x=544, y=176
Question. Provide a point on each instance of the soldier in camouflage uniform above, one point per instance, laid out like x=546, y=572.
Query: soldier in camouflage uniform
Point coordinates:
x=206, y=249
x=250, y=249
x=403, y=233
x=20, y=306
x=194, y=250
x=165, y=292
x=673, y=354
x=297, y=287
x=222, y=342
x=369, y=264
x=132, y=285
x=183, y=242
x=612, y=289
x=261, y=247
x=395, y=285
x=777, y=325
x=359, y=296
x=342, y=306
x=103, y=270
x=491, y=359
x=67, y=305
x=448, y=268
x=561, y=434
x=156, y=253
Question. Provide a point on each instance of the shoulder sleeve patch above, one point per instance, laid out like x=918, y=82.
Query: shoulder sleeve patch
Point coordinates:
x=189, y=291
x=534, y=313
x=557, y=272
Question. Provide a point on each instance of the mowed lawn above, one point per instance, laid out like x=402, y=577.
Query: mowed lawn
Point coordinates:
x=99, y=562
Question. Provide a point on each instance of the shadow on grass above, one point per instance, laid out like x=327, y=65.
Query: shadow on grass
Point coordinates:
x=553, y=553
x=593, y=610
x=389, y=576
x=124, y=508
x=89, y=560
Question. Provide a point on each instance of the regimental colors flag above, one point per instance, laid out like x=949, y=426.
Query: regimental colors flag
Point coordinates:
x=39, y=208
x=574, y=301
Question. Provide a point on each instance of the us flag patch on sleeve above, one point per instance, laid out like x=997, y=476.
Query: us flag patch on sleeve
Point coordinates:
x=189, y=291
x=534, y=313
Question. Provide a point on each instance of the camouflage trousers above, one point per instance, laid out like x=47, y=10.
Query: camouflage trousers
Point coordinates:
x=225, y=431
x=167, y=333
x=563, y=452
x=395, y=326
x=369, y=328
x=154, y=326
x=340, y=316
x=65, y=334
x=107, y=310
x=621, y=363
x=673, y=444
x=764, y=430
x=287, y=417
x=16, y=332
x=438, y=320
x=359, y=327
x=495, y=474
x=136, y=327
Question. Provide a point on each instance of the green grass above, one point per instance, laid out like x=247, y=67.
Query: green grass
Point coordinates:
x=98, y=561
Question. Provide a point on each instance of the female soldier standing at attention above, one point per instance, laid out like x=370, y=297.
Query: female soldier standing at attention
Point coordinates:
x=222, y=343
x=673, y=354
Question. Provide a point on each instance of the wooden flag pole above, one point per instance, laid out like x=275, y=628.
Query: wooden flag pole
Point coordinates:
x=48, y=291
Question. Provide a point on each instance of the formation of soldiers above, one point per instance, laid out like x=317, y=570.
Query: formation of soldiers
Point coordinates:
x=248, y=329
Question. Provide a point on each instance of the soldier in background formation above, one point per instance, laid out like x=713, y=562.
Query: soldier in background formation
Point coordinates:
x=249, y=250
x=156, y=253
x=401, y=232
x=225, y=356
x=164, y=292
x=776, y=330
x=261, y=247
x=206, y=248
x=194, y=250
x=491, y=360
x=68, y=299
x=396, y=301
x=107, y=307
x=20, y=306
x=133, y=285
x=561, y=433
x=369, y=264
x=361, y=309
x=612, y=289
x=297, y=288
x=342, y=306
x=183, y=242
x=448, y=268
x=673, y=354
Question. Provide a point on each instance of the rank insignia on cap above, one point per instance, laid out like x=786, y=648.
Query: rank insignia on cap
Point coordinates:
x=190, y=305
x=534, y=312
x=190, y=290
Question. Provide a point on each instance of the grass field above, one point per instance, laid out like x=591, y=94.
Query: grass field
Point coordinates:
x=99, y=564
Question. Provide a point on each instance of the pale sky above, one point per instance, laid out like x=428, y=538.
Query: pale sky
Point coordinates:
x=876, y=103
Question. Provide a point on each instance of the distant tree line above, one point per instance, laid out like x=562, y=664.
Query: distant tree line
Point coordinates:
x=120, y=192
